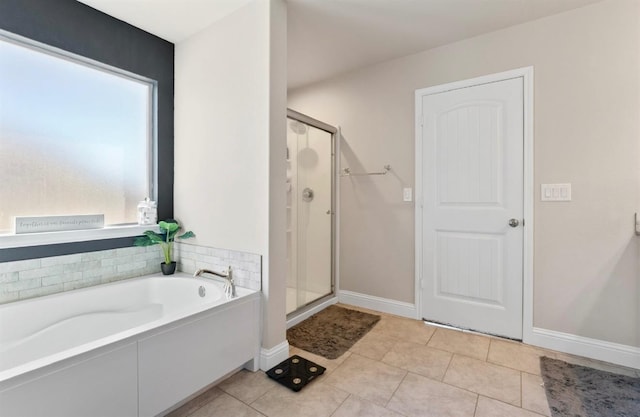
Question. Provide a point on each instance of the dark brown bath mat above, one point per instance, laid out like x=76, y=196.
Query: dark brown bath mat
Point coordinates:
x=295, y=372
x=332, y=331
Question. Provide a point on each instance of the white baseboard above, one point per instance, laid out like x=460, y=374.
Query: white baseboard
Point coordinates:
x=619, y=354
x=384, y=305
x=273, y=356
x=305, y=315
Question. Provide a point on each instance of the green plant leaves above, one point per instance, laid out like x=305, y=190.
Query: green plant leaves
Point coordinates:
x=187, y=235
x=153, y=236
x=169, y=226
x=150, y=238
x=165, y=239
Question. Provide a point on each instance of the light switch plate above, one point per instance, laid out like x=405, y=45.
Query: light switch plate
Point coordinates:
x=555, y=192
x=407, y=194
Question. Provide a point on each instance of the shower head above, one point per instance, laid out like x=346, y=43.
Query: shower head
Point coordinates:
x=298, y=127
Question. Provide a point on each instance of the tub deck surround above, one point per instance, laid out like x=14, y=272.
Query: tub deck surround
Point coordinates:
x=177, y=342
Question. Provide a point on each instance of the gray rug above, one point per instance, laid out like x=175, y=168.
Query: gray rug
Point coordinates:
x=332, y=331
x=579, y=391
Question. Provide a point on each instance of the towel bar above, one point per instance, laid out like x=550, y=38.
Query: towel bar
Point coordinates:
x=347, y=172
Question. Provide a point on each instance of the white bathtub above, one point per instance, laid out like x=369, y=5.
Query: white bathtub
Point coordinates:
x=132, y=348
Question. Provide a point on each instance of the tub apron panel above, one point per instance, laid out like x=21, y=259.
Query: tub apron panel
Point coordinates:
x=104, y=385
x=180, y=361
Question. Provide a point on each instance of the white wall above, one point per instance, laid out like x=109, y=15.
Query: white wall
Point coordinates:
x=587, y=132
x=222, y=131
x=230, y=109
x=275, y=316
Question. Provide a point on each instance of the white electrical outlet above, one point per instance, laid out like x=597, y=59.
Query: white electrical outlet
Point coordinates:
x=555, y=192
x=407, y=194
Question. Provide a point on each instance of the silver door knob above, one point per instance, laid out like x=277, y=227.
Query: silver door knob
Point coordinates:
x=514, y=222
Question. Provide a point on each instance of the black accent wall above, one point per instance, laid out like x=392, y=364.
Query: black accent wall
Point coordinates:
x=78, y=28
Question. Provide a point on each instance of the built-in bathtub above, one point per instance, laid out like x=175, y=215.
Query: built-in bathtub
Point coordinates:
x=132, y=348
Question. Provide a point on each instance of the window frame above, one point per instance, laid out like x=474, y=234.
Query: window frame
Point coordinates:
x=13, y=240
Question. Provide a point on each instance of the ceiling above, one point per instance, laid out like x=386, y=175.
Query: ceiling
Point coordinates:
x=330, y=37
x=173, y=20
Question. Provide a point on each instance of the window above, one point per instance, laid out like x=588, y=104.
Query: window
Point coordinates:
x=76, y=137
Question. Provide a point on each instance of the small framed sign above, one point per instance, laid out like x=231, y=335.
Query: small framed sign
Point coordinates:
x=39, y=224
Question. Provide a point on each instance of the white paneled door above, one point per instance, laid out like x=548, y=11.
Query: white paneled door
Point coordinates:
x=471, y=147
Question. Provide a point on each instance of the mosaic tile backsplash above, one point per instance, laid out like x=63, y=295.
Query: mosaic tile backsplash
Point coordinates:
x=247, y=267
x=20, y=280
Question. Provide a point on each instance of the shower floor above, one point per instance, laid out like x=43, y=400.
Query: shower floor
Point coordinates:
x=292, y=298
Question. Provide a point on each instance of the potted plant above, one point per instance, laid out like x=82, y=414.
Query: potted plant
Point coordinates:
x=169, y=229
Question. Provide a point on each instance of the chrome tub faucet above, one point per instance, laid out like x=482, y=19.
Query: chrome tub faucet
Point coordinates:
x=229, y=284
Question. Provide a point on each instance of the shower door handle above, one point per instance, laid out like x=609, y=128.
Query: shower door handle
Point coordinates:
x=307, y=194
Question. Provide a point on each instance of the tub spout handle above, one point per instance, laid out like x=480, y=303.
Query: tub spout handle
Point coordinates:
x=229, y=284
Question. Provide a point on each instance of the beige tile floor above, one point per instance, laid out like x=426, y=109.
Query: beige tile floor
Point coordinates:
x=402, y=367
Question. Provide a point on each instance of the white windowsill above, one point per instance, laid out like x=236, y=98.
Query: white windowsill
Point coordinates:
x=70, y=236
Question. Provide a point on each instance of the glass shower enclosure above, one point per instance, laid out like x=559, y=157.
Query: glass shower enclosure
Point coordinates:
x=310, y=211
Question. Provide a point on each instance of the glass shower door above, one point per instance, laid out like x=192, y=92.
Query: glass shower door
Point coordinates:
x=309, y=213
